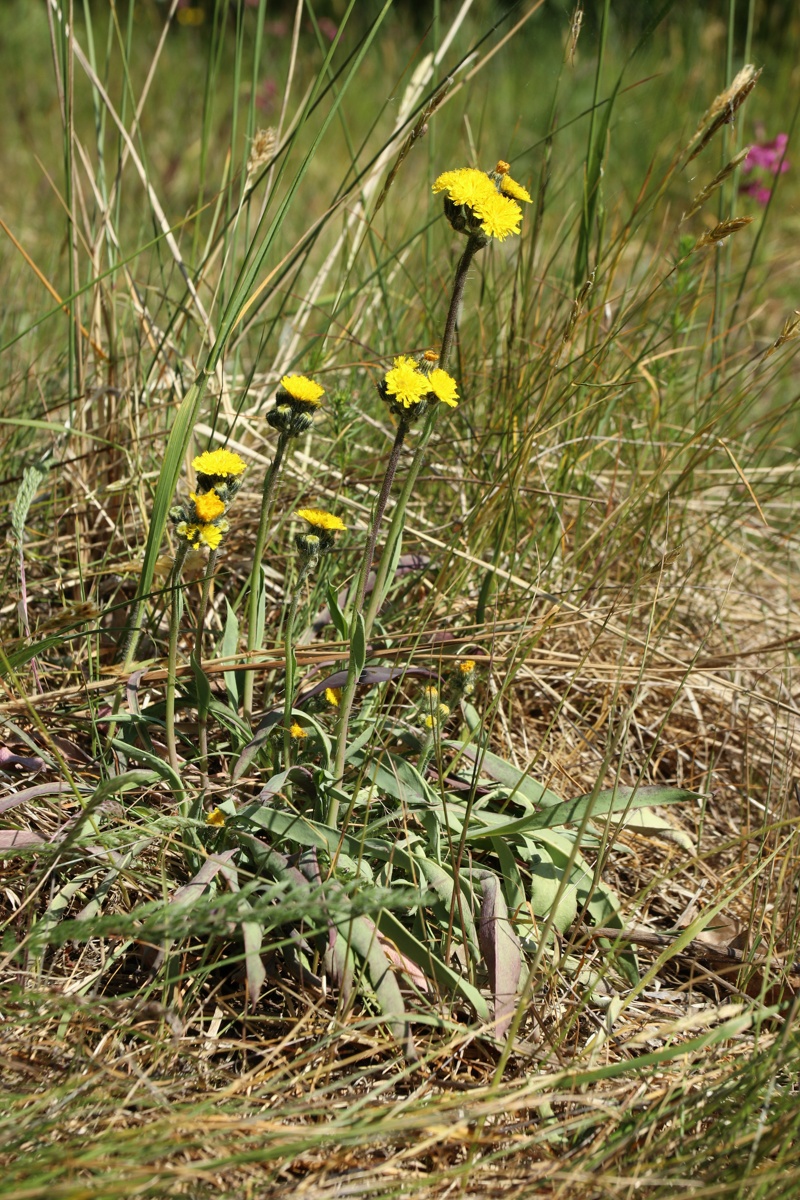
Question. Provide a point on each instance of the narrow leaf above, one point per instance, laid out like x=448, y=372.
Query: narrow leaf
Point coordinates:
x=501, y=951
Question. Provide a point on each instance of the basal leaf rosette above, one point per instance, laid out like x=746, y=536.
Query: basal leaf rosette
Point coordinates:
x=482, y=204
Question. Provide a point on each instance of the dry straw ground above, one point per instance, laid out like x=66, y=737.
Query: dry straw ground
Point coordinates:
x=607, y=528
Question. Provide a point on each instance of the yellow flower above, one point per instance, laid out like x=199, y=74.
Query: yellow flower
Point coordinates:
x=441, y=713
x=297, y=731
x=443, y=387
x=321, y=519
x=208, y=505
x=301, y=388
x=498, y=216
x=202, y=535
x=219, y=463
x=509, y=186
x=215, y=817
x=405, y=382
x=465, y=186
x=333, y=696
x=515, y=190
x=483, y=201
x=467, y=666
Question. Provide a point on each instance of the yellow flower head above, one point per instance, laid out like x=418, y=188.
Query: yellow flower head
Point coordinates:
x=202, y=535
x=480, y=203
x=509, y=186
x=333, y=696
x=467, y=666
x=297, y=731
x=219, y=463
x=441, y=713
x=515, y=190
x=208, y=505
x=443, y=387
x=303, y=389
x=319, y=519
x=405, y=382
x=498, y=216
x=215, y=817
x=465, y=186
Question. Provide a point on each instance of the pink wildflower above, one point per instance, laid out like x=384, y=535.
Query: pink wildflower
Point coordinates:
x=766, y=158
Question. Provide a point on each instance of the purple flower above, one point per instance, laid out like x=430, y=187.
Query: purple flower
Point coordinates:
x=765, y=158
x=768, y=156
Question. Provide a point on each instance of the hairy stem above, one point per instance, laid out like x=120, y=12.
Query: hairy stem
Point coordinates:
x=288, y=642
x=253, y=634
x=395, y=527
x=202, y=707
x=176, y=609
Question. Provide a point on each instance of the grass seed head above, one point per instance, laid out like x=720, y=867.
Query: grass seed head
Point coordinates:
x=722, y=231
x=723, y=109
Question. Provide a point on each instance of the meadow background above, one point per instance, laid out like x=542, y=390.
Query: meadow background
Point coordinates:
x=606, y=525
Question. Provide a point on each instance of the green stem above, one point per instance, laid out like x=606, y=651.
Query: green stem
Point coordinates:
x=288, y=643
x=349, y=691
x=202, y=707
x=396, y=525
x=254, y=635
x=399, y=515
x=176, y=609
x=380, y=509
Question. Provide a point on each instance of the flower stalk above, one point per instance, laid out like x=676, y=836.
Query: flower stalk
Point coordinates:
x=253, y=633
x=176, y=610
x=324, y=527
x=296, y=401
x=202, y=705
x=481, y=205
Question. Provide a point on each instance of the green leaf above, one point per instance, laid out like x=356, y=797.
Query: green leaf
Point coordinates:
x=515, y=888
x=337, y=616
x=202, y=686
x=573, y=812
x=545, y=882
x=253, y=937
x=431, y=965
x=256, y=743
x=358, y=644
x=362, y=935
x=521, y=784
x=228, y=648
x=396, y=777
x=444, y=886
